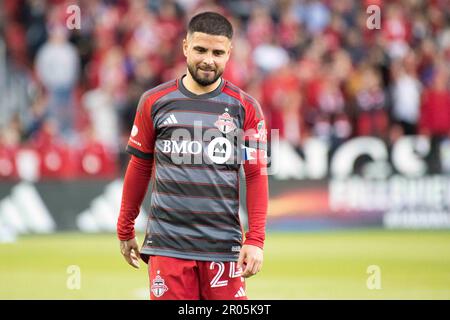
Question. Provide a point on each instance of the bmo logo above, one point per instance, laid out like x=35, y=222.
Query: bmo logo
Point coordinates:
x=181, y=147
x=219, y=151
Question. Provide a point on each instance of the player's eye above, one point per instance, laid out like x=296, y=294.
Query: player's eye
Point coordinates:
x=200, y=49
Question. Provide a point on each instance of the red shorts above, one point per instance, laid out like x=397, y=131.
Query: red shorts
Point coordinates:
x=179, y=279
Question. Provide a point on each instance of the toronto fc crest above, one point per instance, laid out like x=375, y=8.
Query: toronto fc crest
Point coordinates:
x=158, y=286
x=225, y=123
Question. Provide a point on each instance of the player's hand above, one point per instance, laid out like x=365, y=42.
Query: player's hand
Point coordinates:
x=250, y=260
x=130, y=251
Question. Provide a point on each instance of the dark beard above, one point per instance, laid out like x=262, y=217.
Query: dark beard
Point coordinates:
x=204, y=82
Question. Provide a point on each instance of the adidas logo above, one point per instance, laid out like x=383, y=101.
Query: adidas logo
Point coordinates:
x=170, y=120
x=240, y=293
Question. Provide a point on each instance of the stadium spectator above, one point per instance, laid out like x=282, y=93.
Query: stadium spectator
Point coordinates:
x=435, y=115
x=406, y=90
x=57, y=67
x=371, y=102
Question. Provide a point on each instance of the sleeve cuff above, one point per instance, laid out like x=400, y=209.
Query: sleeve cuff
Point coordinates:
x=257, y=243
x=125, y=237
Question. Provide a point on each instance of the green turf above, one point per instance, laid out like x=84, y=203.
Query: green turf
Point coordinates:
x=319, y=265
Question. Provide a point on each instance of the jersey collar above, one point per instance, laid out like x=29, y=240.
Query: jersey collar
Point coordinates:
x=207, y=95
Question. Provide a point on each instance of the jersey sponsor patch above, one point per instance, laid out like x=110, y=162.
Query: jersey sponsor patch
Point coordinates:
x=219, y=150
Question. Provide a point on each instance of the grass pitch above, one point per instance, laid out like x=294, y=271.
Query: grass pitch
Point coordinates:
x=316, y=265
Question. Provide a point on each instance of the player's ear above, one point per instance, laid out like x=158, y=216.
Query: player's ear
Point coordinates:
x=185, y=45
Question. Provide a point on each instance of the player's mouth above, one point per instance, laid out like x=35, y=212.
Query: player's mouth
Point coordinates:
x=207, y=72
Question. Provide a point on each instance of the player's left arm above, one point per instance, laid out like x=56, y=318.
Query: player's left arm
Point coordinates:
x=251, y=254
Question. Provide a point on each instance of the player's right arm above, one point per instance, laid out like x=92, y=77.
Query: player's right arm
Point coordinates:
x=137, y=177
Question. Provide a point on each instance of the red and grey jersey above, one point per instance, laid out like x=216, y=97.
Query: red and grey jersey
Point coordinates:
x=197, y=143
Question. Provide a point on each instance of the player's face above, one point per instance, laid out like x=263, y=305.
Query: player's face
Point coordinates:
x=207, y=56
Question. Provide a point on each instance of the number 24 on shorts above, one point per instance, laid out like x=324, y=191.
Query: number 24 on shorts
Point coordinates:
x=234, y=273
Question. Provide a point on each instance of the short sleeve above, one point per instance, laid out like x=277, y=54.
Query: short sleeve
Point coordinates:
x=141, y=142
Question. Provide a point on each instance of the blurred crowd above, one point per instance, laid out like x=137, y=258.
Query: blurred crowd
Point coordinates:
x=315, y=66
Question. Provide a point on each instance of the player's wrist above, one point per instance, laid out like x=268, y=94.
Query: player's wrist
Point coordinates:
x=126, y=236
x=256, y=243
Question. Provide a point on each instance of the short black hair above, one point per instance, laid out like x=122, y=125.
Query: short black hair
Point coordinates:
x=211, y=23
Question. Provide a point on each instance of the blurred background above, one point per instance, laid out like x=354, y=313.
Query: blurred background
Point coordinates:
x=360, y=174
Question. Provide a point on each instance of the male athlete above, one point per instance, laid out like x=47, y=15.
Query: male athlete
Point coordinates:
x=190, y=138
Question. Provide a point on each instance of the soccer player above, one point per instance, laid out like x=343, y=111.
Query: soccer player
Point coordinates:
x=185, y=141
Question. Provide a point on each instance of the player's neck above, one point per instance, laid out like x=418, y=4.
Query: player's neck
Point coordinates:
x=190, y=84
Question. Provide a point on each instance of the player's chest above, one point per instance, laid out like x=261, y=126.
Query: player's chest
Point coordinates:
x=199, y=133
x=184, y=118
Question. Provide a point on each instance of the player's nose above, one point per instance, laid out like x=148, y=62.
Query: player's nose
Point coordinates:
x=209, y=61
